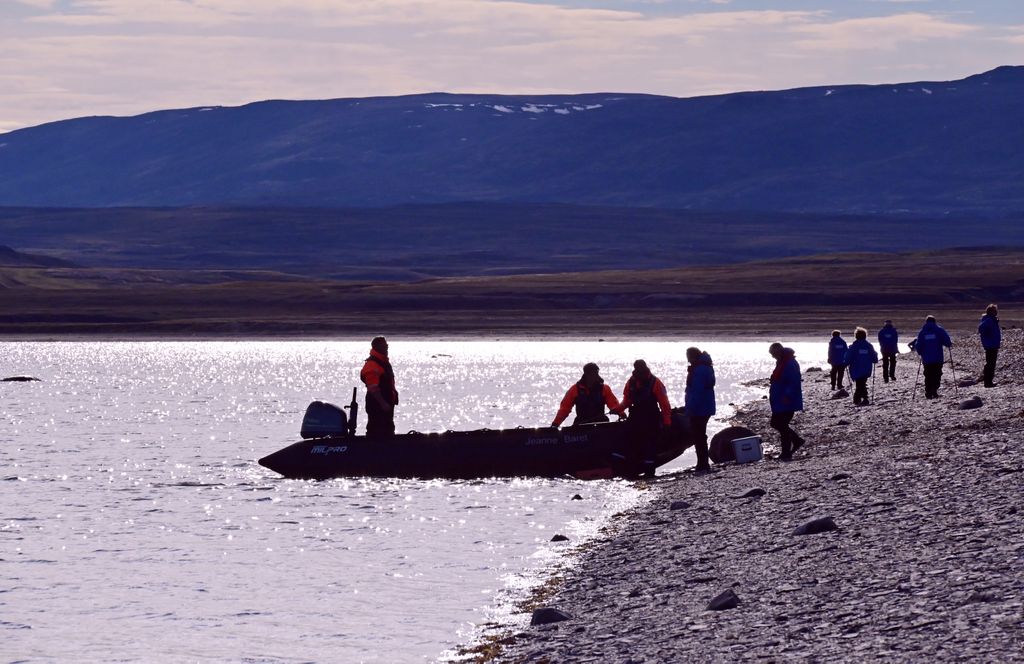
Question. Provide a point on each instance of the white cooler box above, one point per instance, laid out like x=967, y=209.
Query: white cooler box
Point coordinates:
x=748, y=449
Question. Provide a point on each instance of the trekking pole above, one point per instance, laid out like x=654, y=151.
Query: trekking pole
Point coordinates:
x=873, y=374
x=913, y=393
x=956, y=388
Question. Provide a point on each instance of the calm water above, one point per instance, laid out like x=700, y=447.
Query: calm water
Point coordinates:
x=135, y=523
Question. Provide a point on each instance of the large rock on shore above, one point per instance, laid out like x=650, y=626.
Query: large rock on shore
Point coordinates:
x=815, y=526
x=724, y=601
x=972, y=403
x=548, y=615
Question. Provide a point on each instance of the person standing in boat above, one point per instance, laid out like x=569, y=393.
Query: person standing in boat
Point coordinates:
x=889, y=344
x=700, y=402
x=649, y=410
x=837, y=358
x=785, y=396
x=590, y=395
x=861, y=358
x=381, y=395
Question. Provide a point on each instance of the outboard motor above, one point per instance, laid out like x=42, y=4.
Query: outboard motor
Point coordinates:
x=323, y=419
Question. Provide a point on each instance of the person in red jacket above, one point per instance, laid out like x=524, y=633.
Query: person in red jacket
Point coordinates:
x=590, y=395
x=381, y=395
x=649, y=410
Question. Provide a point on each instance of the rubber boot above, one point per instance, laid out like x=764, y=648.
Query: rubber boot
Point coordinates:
x=703, y=462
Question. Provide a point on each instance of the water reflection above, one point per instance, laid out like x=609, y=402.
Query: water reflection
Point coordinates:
x=133, y=505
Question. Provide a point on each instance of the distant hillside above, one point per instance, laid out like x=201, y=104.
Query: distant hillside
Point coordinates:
x=925, y=148
x=806, y=296
x=415, y=242
x=11, y=258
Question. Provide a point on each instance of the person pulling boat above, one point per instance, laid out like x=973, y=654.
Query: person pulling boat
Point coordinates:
x=649, y=410
x=589, y=396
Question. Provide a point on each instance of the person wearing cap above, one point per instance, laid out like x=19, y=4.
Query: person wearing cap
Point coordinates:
x=589, y=396
x=700, y=402
x=991, y=337
x=889, y=344
x=785, y=396
x=649, y=410
x=837, y=358
x=861, y=358
x=930, y=344
x=381, y=395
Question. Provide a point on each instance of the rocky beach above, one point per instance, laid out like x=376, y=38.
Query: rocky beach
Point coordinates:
x=915, y=550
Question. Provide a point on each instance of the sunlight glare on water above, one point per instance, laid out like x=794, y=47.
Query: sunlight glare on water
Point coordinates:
x=135, y=523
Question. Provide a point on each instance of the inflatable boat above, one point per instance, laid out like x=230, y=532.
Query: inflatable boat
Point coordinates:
x=603, y=450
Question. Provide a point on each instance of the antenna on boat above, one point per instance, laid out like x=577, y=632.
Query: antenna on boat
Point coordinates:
x=353, y=409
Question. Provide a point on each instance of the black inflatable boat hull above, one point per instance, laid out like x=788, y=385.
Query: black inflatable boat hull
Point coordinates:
x=589, y=451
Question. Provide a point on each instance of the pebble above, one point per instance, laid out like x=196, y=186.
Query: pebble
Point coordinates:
x=559, y=538
x=679, y=505
x=972, y=403
x=815, y=526
x=724, y=601
x=547, y=616
x=756, y=492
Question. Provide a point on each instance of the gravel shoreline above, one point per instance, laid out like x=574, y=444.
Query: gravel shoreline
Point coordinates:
x=927, y=563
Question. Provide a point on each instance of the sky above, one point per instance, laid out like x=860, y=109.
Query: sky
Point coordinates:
x=69, y=58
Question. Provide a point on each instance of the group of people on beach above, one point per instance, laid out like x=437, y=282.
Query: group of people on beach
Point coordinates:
x=646, y=399
x=931, y=344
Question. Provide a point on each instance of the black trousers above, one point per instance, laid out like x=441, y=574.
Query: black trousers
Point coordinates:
x=644, y=432
x=380, y=423
x=699, y=431
x=932, y=379
x=837, y=375
x=990, y=365
x=860, y=393
x=888, y=366
x=780, y=422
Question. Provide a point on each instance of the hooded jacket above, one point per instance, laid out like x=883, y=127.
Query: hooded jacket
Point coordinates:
x=700, y=388
x=861, y=358
x=989, y=331
x=785, y=393
x=889, y=340
x=930, y=342
x=837, y=351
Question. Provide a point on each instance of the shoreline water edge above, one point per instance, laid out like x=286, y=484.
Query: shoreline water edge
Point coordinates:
x=926, y=562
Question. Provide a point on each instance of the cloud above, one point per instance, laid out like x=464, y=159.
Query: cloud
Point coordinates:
x=886, y=32
x=39, y=4
x=128, y=56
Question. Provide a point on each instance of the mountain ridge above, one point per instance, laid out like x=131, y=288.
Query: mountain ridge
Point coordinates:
x=923, y=147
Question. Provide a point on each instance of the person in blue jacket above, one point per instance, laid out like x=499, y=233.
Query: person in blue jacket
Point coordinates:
x=930, y=344
x=861, y=358
x=837, y=358
x=785, y=396
x=700, y=402
x=889, y=344
x=991, y=337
